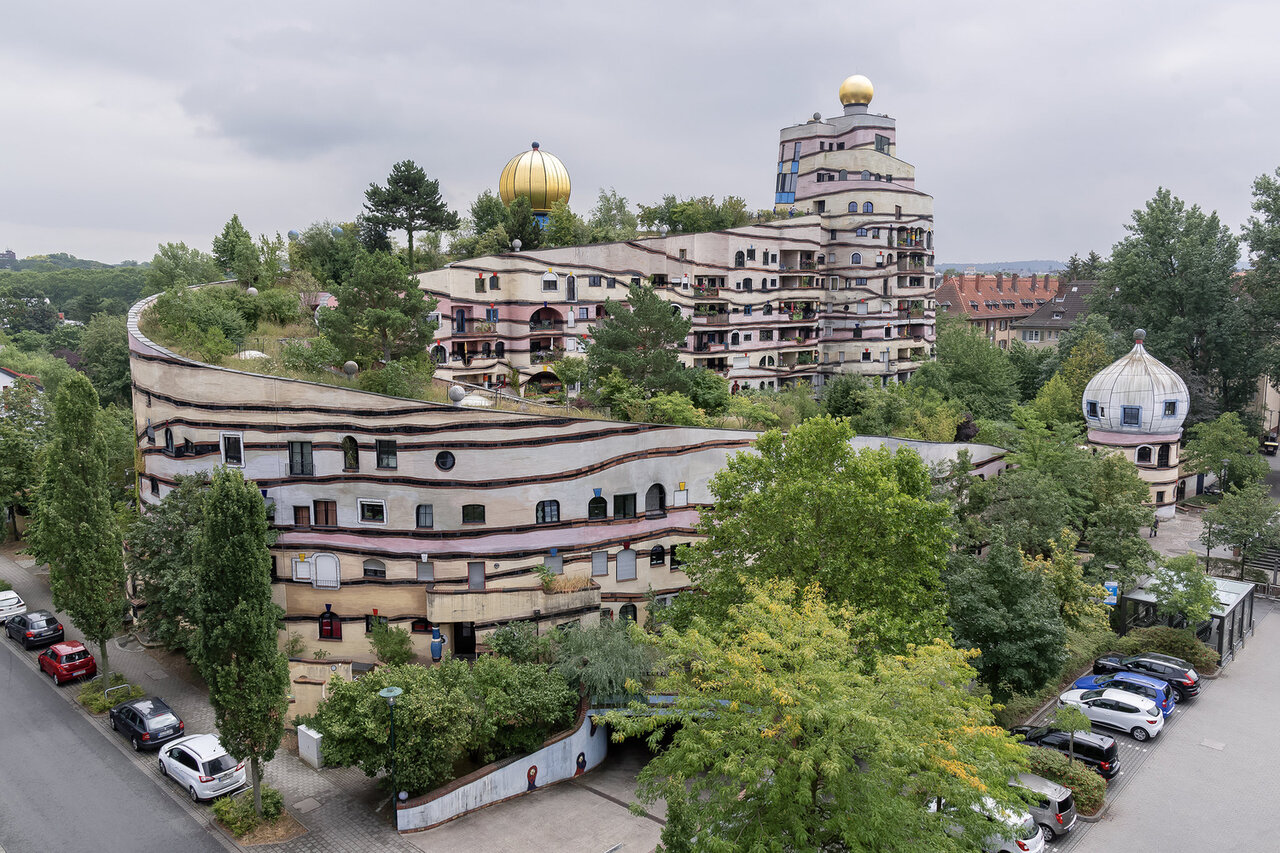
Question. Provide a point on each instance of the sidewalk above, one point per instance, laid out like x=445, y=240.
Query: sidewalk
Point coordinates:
x=340, y=816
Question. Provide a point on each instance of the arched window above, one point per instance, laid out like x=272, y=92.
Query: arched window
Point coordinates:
x=438, y=354
x=746, y=284
x=597, y=507
x=499, y=349
x=844, y=176
x=768, y=308
x=350, y=454
x=734, y=339
x=866, y=175
x=861, y=232
x=1162, y=458
x=1143, y=456
x=655, y=500
x=547, y=512
x=764, y=359
x=853, y=207
x=330, y=626
x=375, y=569
x=855, y=258
x=168, y=440
x=627, y=613
x=739, y=259
x=657, y=555
x=493, y=282
x=867, y=207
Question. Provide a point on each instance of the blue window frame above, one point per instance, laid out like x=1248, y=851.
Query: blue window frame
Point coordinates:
x=1091, y=408
x=1170, y=408
x=1131, y=415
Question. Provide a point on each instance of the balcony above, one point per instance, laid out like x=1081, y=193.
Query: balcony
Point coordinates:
x=545, y=356
x=711, y=319
x=504, y=605
x=705, y=290
x=474, y=326
x=541, y=325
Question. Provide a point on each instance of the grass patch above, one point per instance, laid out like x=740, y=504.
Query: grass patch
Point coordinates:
x=92, y=698
x=5, y=586
x=1202, y=500
x=237, y=815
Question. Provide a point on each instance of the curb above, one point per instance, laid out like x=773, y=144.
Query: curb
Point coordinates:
x=1096, y=818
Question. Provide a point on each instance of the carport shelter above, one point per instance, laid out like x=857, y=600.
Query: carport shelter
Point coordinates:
x=1229, y=622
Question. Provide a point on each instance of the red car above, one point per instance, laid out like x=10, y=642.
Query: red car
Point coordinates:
x=66, y=661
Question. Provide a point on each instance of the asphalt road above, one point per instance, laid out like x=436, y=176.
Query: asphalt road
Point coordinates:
x=63, y=786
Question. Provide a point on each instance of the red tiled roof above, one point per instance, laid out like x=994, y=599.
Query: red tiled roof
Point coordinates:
x=988, y=296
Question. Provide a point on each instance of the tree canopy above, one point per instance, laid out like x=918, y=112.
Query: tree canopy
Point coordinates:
x=381, y=314
x=639, y=338
x=409, y=202
x=1225, y=443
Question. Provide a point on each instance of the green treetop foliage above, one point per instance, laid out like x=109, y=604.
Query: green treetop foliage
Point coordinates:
x=695, y=215
x=1089, y=354
x=1225, y=441
x=564, y=227
x=1118, y=510
x=1029, y=366
x=381, y=313
x=1009, y=613
x=248, y=676
x=1181, y=588
x=23, y=433
x=1245, y=518
x=907, y=411
x=49, y=369
x=1174, y=276
x=640, y=338
x=606, y=660
x=234, y=241
x=328, y=257
x=1262, y=233
x=780, y=739
x=611, y=219
x=495, y=241
x=104, y=348
x=489, y=211
x=523, y=226
x=74, y=529
x=487, y=214
x=175, y=266
x=570, y=370
x=390, y=644
x=1090, y=268
x=162, y=558
x=806, y=506
x=410, y=202
x=971, y=370
x=24, y=308
x=79, y=293
x=1080, y=603
x=1056, y=403
x=116, y=426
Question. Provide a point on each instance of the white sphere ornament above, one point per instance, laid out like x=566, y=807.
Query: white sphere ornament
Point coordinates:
x=456, y=393
x=350, y=368
x=253, y=291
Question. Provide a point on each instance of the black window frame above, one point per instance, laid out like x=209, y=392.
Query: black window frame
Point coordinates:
x=547, y=512
x=445, y=460
x=368, y=622
x=470, y=509
x=430, y=515
x=597, y=509
x=329, y=626
x=373, y=571
x=623, y=502
x=350, y=454
x=386, y=451
x=301, y=460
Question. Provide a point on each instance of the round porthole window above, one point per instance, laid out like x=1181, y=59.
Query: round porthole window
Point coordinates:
x=444, y=460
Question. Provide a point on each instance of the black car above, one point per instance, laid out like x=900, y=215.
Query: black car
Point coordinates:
x=146, y=723
x=1181, y=676
x=1097, y=751
x=37, y=628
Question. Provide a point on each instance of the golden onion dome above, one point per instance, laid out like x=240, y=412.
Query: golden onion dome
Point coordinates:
x=856, y=90
x=536, y=174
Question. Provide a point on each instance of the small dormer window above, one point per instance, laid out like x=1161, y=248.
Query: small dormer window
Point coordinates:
x=1091, y=408
x=1130, y=415
x=1170, y=408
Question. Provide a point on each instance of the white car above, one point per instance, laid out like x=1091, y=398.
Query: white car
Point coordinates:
x=200, y=764
x=1118, y=709
x=1020, y=834
x=11, y=604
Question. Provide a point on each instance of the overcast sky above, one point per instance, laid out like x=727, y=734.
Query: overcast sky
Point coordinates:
x=1037, y=129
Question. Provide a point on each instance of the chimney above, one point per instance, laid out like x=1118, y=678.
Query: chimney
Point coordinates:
x=1015, y=283
x=1000, y=282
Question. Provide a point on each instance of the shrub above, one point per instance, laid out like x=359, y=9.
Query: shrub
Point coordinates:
x=1087, y=787
x=606, y=660
x=236, y=813
x=1178, y=642
x=295, y=645
x=1082, y=648
x=91, y=694
x=310, y=356
x=390, y=645
x=5, y=586
x=520, y=642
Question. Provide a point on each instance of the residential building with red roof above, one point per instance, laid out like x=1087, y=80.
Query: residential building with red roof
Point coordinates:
x=992, y=302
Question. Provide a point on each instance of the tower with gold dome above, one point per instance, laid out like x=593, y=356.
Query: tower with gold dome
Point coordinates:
x=538, y=175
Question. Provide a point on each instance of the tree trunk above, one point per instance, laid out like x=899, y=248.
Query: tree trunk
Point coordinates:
x=409, y=231
x=106, y=665
x=257, y=785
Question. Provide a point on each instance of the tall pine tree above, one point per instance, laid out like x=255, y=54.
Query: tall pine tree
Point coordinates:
x=75, y=529
x=248, y=676
x=410, y=202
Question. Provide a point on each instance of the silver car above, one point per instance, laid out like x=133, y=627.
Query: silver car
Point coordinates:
x=200, y=764
x=1053, y=808
x=11, y=604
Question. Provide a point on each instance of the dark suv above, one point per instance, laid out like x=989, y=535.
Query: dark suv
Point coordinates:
x=1181, y=677
x=1097, y=751
x=37, y=628
x=146, y=722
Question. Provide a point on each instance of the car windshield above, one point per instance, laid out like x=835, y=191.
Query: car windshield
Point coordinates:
x=1027, y=829
x=72, y=657
x=159, y=721
x=41, y=622
x=221, y=764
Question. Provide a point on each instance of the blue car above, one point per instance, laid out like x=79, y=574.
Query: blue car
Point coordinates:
x=1156, y=690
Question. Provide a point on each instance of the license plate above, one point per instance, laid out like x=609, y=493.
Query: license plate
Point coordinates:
x=225, y=776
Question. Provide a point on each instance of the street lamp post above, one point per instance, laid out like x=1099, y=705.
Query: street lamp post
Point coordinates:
x=390, y=694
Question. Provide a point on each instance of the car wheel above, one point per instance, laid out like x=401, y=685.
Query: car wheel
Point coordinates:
x=114, y=727
x=1139, y=733
x=137, y=747
x=191, y=792
x=1047, y=832
x=164, y=771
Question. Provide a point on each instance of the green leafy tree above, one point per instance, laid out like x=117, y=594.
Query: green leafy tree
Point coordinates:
x=606, y=660
x=105, y=354
x=1010, y=615
x=779, y=740
x=972, y=370
x=523, y=226
x=1057, y=404
x=390, y=645
x=1070, y=719
x=1262, y=233
x=694, y=215
x=611, y=220
x=708, y=390
x=175, y=265
x=116, y=427
x=381, y=314
x=1118, y=500
x=248, y=676
x=1174, y=276
x=519, y=706
x=807, y=507
x=1029, y=366
x=570, y=370
x=1225, y=442
x=234, y=242
x=489, y=211
x=1088, y=355
x=327, y=256
x=639, y=338
x=74, y=529
x=671, y=408
x=495, y=241
x=162, y=557
x=410, y=202
x=1080, y=603
x=1245, y=519
x=1026, y=508
x=22, y=437
x=1182, y=589
x=520, y=642
x=564, y=227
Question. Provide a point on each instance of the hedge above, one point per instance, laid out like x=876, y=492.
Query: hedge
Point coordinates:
x=1179, y=642
x=1088, y=787
x=237, y=814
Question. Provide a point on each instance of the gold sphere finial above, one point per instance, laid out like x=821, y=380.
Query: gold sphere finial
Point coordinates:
x=537, y=174
x=856, y=90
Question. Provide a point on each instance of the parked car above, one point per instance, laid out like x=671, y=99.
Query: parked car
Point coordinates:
x=1156, y=689
x=11, y=604
x=37, y=628
x=1181, y=677
x=146, y=722
x=68, y=660
x=1099, y=752
x=1020, y=833
x=1054, y=809
x=200, y=764
x=1117, y=709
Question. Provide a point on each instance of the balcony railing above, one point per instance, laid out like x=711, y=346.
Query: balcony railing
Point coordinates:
x=705, y=290
x=545, y=356
x=535, y=325
x=712, y=319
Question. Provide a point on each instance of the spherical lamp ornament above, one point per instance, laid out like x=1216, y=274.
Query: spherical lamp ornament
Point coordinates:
x=350, y=368
x=856, y=90
x=253, y=291
x=336, y=231
x=817, y=116
x=516, y=244
x=294, y=234
x=456, y=393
